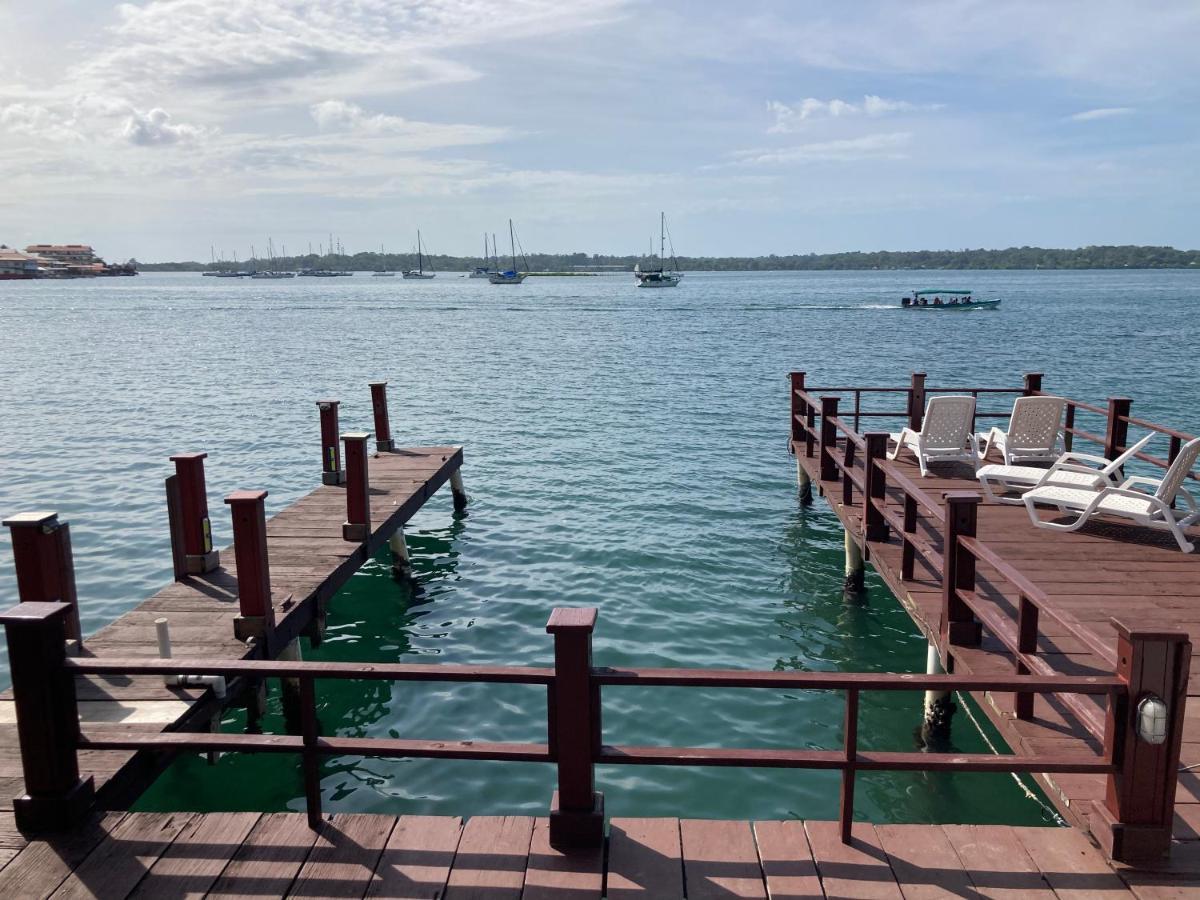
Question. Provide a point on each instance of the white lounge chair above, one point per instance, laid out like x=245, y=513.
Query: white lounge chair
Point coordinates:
x=1077, y=470
x=945, y=434
x=1033, y=431
x=1149, y=510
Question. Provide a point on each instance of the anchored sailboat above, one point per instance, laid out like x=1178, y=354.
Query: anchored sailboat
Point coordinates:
x=419, y=271
x=385, y=272
x=661, y=276
x=510, y=276
x=486, y=269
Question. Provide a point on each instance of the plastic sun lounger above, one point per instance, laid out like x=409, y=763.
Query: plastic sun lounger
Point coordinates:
x=1033, y=431
x=1077, y=470
x=945, y=434
x=1124, y=502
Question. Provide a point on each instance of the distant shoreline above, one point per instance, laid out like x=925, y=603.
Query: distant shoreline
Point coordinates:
x=1010, y=259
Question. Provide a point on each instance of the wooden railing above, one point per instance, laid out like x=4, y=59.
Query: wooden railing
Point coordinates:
x=941, y=533
x=57, y=796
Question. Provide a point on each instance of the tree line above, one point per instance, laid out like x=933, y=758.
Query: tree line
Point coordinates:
x=1093, y=257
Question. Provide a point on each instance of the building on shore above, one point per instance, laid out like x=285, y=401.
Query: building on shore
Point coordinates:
x=15, y=264
x=74, y=261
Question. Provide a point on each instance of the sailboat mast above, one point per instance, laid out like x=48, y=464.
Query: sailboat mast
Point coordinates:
x=662, y=237
x=512, y=244
x=420, y=261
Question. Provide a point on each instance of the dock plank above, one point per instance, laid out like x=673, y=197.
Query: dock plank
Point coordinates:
x=491, y=859
x=417, y=858
x=266, y=863
x=123, y=857
x=645, y=859
x=720, y=859
x=197, y=856
x=858, y=871
x=787, y=863
x=576, y=874
x=343, y=858
x=923, y=862
x=997, y=862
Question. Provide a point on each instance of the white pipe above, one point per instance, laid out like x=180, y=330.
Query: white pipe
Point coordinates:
x=933, y=666
x=162, y=630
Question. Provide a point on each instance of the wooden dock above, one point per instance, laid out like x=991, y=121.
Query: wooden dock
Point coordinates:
x=510, y=858
x=308, y=561
x=1079, y=582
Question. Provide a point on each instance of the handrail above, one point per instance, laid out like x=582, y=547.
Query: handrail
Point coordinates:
x=910, y=487
x=333, y=670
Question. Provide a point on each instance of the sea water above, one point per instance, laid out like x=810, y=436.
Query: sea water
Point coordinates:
x=624, y=449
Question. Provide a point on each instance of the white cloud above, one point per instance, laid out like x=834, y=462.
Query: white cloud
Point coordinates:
x=341, y=116
x=36, y=121
x=788, y=117
x=890, y=145
x=1107, y=112
x=154, y=128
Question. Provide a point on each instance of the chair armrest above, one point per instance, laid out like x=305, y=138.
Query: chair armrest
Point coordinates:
x=1140, y=479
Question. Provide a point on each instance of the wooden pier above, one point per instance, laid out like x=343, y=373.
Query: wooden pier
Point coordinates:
x=1016, y=617
x=995, y=595
x=511, y=858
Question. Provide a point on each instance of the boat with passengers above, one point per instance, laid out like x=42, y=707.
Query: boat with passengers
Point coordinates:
x=943, y=299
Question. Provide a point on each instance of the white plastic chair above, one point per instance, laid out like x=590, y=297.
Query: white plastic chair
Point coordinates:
x=1077, y=470
x=1033, y=430
x=945, y=434
x=1149, y=510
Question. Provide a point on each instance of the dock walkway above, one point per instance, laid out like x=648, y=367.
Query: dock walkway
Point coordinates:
x=510, y=858
x=309, y=561
x=1084, y=580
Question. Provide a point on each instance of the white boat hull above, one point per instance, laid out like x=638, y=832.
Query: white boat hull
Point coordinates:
x=661, y=281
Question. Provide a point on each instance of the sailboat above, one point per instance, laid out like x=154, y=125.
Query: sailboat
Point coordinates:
x=485, y=270
x=510, y=276
x=384, y=272
x=419, y=271
x=660, y=277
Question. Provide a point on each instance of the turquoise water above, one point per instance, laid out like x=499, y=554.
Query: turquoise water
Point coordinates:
x=624, y=449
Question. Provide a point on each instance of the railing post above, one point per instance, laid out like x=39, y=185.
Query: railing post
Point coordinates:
x=1117, y=433
x=357, y=526
x=875, y=482
x=908, y=555
x=47, y=718
x=1143, y=732
x=958, y=625
x=331, y=451
x=829, y=411
x=577, y=809
x=383, y=428
x=916, y=401
x=45, y=566
x=1027, y=639
x=257, y=616
x=796, y=380
x=1033, y=383
x=196, y=529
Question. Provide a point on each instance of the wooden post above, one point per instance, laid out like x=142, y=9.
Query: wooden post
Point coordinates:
x=383, y=428
x=829, y=410
x=401, y=562
x=850, y=757
x=1139, y=806
x=1117, y=433
x=916, y=401
x=198, y=553
x=47, y=718
x=875, y=482
x=45, y=566
x=175, y=527
x=357, y=526
x=1033, y=383
x=796, y=380
x=908, y=555
x=331, y=451
x=458, y=491
x=576, y=809
x=958, y=625
x=1027, y=635
x=257, y=618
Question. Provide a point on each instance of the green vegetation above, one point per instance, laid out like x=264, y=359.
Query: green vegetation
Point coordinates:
x=1106, y=257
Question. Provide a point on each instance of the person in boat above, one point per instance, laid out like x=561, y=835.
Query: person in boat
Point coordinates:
x=937, y=301
x=904, y=301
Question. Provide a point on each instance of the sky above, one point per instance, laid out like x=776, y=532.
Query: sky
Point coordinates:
x=160, y=129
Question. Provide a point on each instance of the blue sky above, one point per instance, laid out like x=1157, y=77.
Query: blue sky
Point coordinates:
x=156, y=128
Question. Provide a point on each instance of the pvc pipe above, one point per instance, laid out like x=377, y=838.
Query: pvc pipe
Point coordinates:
x=162, y=630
